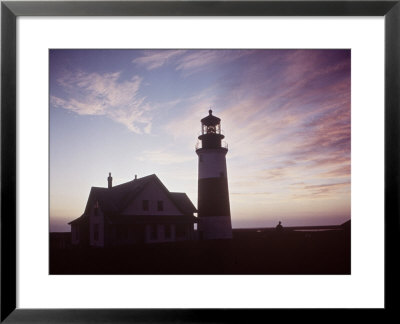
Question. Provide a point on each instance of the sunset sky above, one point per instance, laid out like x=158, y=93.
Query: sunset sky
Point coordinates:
x=285, y=115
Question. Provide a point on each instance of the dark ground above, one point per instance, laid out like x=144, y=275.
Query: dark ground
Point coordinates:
x=251, y=251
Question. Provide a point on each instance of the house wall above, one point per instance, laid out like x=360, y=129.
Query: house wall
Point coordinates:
x=126, y=234
x=160, y=231
x=60, y=240
x=179, y=232
x=96, y=221
x=153, y=193
x=74, y=234
x=80, y=233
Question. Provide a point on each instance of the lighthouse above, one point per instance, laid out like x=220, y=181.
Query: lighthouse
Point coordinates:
x=214, y=215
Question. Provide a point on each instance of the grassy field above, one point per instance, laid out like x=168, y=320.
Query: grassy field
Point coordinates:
x=251, y=251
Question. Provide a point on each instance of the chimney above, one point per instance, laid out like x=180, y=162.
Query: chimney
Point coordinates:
x=135, y=176
x=109, y=179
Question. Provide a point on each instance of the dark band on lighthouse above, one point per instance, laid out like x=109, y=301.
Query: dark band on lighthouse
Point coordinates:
x=213, y=195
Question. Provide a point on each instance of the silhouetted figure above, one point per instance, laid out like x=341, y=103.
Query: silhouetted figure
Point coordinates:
x=279, y=227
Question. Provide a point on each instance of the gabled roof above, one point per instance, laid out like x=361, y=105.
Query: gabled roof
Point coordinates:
x=113, y=201
x=182, y=200
x=79, y=219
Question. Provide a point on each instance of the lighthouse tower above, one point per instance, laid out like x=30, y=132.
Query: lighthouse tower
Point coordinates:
x=214, y=215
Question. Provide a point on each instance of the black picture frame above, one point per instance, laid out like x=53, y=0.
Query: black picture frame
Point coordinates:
x=10, y=10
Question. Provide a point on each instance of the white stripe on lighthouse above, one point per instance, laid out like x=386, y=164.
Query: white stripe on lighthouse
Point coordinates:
x=212, y=163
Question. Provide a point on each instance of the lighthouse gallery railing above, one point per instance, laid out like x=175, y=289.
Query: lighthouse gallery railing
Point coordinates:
x=198, y=145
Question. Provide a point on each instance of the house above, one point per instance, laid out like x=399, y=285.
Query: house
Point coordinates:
x=138, y=211
x=60, y=240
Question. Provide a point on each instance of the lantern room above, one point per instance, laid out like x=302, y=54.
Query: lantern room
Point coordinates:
x=211, y=124
x=211, y=134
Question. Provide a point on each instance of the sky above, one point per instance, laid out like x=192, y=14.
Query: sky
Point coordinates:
x=285, y=115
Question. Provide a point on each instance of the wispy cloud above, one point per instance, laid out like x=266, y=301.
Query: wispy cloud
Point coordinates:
x=195, y=61
x=250, y=193
x=280, y=130
x=155, y=59
x=186, y=126
x=325, y=190
x=188, y=61
x=164, y=157
x=104, y=94
x=285, y=114
x=342, y=171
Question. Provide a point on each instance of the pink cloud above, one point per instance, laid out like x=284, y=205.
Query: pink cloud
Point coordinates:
x=155, y=59
x=104, y=94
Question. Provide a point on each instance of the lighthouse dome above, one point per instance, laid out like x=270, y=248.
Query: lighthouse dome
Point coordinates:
x=210, y=120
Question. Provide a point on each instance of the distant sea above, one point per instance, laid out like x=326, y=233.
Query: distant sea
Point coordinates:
x=317, y=230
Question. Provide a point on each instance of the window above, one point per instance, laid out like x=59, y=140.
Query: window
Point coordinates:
x=96, y=232
x=96, y=209
x=180, y=230
x=160, y=205
x=153, y=232
x=167, y=231
x=145, y=205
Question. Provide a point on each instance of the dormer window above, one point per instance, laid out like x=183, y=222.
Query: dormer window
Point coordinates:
x=96, y=209
x=160, y=205
x=145, y=205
